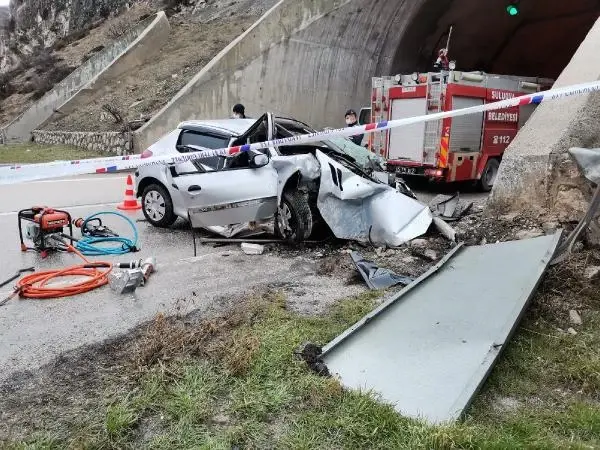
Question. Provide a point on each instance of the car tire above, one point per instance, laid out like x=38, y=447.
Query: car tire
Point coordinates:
x=158, y=206
x=488, y=177
x=294, y=221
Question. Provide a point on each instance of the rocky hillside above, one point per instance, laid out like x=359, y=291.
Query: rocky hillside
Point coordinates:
x=199, y=30
x=4, y=14
x=40, y=24
x=4, y=36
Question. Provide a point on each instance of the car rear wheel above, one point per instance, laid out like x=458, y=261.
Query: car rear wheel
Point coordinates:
x=488, y=177
x=294, y=220
x=158, y=206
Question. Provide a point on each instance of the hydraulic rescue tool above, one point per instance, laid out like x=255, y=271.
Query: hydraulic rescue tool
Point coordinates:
x=45, y=228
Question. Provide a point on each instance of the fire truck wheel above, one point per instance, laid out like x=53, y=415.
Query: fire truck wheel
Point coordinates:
x=294, y=221
x=488, y=177
x=158, y=206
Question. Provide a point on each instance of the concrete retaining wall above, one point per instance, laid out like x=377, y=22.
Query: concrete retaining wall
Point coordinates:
x=311, y=59
x=121, y=56
x=536, y=172
x=107, y=142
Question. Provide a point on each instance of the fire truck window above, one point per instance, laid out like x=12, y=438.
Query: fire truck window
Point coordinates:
x=365, y=116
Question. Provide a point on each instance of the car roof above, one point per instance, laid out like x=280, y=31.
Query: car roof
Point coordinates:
x=228, y=126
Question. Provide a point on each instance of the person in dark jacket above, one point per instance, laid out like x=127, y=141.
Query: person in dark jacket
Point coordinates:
x=239, y=111
x=352, y=121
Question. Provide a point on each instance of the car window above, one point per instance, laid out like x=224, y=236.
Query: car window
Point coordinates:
x=204, y=140
x=286, y=128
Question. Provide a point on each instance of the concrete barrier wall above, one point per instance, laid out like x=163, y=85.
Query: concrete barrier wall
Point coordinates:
x=134, y=48
x=536, y=172
x=102, y=142
x=311, y=59
x=144, y=49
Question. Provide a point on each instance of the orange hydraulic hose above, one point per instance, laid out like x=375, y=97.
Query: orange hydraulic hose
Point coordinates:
x=34, y=285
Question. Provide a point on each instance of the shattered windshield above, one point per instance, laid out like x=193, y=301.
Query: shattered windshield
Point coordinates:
x=362, y=157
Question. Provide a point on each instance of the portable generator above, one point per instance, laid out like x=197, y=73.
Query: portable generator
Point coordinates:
x=45, y=228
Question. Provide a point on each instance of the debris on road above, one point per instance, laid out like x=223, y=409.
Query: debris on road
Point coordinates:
x=592, y=272
x=375, y=276
x=449, y=207
x=419, y=243
x=252, y=249
x=429, y=353
x=574, y=317
x=529, y=234
x=430, y=254
x=446, y=230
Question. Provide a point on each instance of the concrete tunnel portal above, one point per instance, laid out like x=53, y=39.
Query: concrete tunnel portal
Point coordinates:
x=314, y=59
x=539, y=41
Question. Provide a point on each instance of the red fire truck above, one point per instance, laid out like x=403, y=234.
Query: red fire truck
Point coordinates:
x=463, y=148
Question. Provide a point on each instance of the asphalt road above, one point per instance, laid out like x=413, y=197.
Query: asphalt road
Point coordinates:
x=33, y=332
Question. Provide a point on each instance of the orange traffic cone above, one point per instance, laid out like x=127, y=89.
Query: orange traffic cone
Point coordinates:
x=130, y=202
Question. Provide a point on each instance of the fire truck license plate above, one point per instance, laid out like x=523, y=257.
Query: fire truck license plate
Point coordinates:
x=407, y=170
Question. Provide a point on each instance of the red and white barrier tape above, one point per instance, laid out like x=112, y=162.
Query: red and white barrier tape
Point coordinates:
x=31, y=172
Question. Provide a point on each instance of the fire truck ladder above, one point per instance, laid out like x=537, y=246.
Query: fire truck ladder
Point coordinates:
x=433, y=130
x=380, y=113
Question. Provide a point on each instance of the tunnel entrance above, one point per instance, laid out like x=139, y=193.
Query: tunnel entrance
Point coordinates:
x=538, y=41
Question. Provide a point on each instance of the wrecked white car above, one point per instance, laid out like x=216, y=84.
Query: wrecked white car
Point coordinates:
x=304, y=187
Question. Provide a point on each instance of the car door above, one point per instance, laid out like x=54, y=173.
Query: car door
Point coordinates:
x=262, y=130
x=227, y=196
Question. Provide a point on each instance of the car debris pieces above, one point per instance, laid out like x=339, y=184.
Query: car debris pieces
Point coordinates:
x=449, y=207
x=429, y=348
x=375, y=276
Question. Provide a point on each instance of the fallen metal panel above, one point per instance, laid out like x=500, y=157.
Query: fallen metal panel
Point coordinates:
x=428, y=349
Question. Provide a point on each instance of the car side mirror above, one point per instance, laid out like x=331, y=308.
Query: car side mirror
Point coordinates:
x=258, y=159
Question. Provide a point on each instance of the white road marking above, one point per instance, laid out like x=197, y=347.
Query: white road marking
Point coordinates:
x=69, y=180
x=91, y=205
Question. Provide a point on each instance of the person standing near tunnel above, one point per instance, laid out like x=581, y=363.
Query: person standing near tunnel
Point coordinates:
x=239, y=112
x=442, y=63
x=352, y=121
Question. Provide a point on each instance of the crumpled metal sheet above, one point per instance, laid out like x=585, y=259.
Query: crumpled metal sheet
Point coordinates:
x=377, y=277
x=429, y=349
x=588, y=161
x=358, y=209
x=243, y=229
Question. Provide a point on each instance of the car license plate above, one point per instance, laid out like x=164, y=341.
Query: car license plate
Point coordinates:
x=407, y=170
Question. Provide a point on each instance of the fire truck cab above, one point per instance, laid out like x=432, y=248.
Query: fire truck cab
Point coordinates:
x=463, y=148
